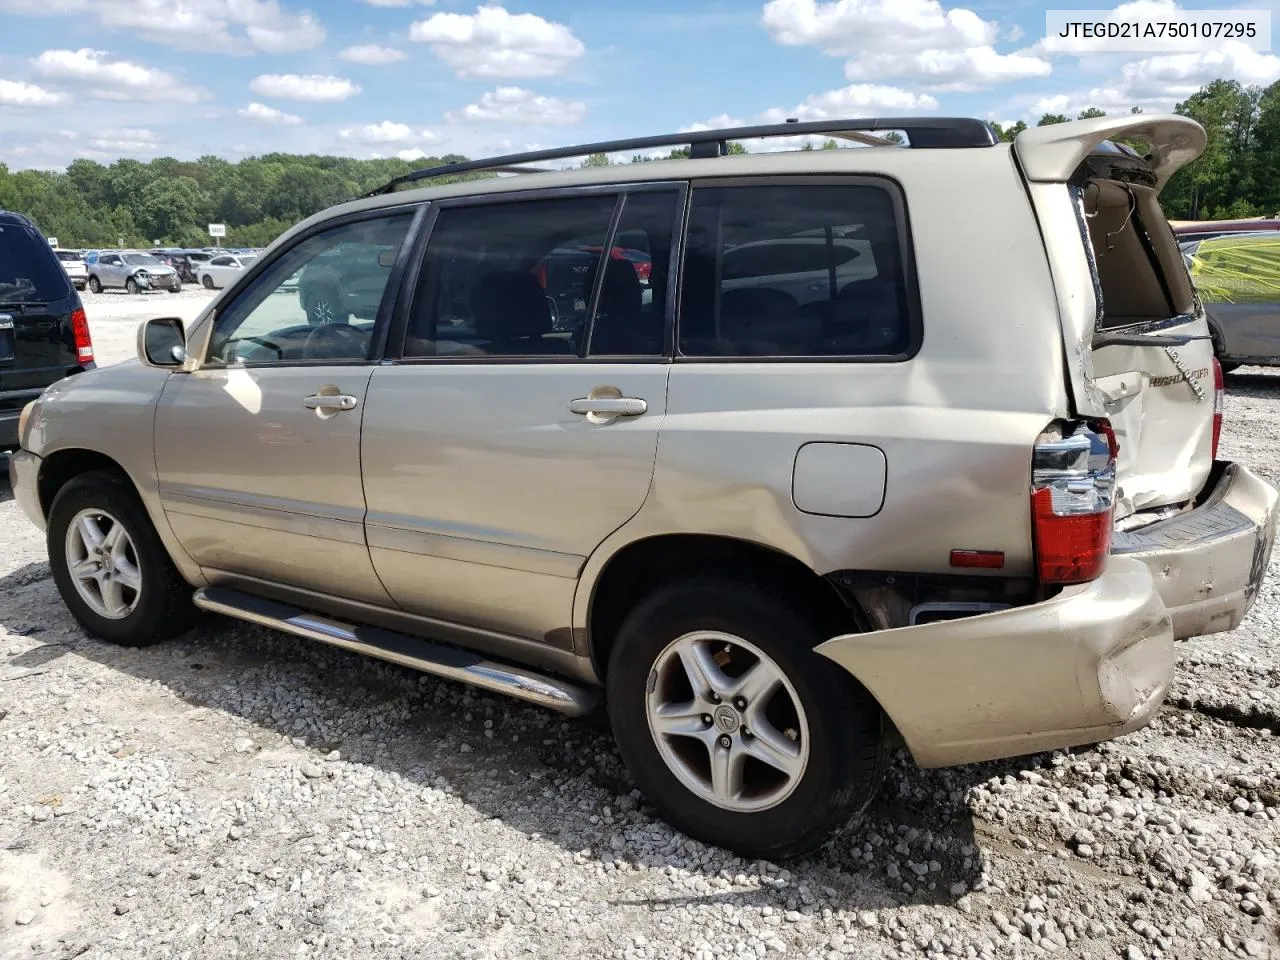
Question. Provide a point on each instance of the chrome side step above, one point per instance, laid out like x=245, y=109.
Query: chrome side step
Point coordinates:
x=434, y=658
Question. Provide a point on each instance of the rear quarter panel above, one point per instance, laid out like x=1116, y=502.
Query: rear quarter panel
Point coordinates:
x=956, y=422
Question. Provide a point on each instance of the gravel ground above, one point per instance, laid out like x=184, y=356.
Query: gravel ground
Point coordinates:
x=240, y=793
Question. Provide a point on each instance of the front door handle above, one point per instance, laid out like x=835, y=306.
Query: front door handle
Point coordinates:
x=609, y=406
x=322, y=401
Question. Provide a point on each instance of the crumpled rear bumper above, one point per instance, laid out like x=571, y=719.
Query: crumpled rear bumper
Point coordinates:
x=1092, y=663
x=1209, y=563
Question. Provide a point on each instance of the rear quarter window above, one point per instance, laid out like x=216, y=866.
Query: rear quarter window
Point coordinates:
x=801, y=270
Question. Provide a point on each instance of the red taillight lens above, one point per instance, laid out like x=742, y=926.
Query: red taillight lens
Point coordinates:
x=1219, y=398
x=1070, y=549
x=80, y=330
x=1073, y=501
x=540, y=271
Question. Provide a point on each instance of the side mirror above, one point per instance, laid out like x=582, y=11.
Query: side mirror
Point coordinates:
x=162, y=343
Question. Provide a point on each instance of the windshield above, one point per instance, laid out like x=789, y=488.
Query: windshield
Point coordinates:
x=141, y=260
x=28, y=271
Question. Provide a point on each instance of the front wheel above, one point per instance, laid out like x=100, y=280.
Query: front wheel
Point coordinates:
x=734, y=728
x=110, y=567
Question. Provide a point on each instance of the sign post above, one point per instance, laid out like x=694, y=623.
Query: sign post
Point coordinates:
x=217, y=231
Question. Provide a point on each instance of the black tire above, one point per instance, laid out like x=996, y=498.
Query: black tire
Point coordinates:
x=847, y=752
x=207, y=282
x=176, y=288
x=164, y=608
x=1219, y=349
x=95, y=285
x=131, y=285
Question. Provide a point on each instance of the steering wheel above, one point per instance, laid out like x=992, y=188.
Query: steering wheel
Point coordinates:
x=334, y=336
x=264, y=342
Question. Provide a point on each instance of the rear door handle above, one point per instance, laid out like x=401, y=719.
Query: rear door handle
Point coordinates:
x=609, y=406
x=330, y=402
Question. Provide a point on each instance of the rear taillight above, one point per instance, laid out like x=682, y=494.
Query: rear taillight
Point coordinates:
x=1073, y=477
x=80, y=330
x=1219, y=397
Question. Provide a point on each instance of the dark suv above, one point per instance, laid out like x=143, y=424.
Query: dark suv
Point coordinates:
x=44, y=335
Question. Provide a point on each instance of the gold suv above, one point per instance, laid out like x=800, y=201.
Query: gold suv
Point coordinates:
x=791, y=456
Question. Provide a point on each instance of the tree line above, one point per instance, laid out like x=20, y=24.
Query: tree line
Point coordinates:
x=172, y=201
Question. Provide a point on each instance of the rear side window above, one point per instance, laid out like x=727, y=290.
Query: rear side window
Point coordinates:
x=510, y=279
x=795, y=271
x=29, y=272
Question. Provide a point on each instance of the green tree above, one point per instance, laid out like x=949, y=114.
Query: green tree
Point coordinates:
x=1009, y=134
x=596, y=160
x=1088, y=113
x=1049, y=118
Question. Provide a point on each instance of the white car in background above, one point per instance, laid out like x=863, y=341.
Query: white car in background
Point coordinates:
x=73, y=263
x=224, y=270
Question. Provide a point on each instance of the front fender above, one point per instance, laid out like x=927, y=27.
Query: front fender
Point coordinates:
x=110, y=412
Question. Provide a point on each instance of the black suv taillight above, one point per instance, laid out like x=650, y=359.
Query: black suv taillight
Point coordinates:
x=1073, y=479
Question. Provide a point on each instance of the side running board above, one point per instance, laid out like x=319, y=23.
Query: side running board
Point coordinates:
x=434, y=658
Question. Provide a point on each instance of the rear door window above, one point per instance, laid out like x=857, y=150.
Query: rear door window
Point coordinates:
x=29, y=272
x=803, y=270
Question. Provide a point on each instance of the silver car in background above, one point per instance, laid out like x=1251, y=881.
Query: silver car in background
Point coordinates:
x=134, y=271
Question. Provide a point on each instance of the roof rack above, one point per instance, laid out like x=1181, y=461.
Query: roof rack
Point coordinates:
x=922, y=133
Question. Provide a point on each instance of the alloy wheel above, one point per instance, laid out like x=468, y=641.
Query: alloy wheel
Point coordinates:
x=727, y=721
x=103, y=563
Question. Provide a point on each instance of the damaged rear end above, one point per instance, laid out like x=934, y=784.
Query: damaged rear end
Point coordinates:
x=1141, y=535
x=1138, y=355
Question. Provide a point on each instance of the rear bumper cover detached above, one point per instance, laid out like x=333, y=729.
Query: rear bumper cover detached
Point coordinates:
x=1093, y=662
x=1209, y=563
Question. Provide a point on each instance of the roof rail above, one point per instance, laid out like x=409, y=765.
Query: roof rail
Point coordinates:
x=922, y=133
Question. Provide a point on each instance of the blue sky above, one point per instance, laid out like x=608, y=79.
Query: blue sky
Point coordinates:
x=145, y=78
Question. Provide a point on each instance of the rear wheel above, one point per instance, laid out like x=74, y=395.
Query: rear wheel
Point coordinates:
x=734, y=728
x=110, y=567
x=131, y=285
x=1219, y=349
x=207, y=282
x=95, y=285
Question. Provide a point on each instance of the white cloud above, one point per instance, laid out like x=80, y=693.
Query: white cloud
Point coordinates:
x=110, y=79
x=291, y=86
x=918, y=40
x=516, y=105
x=371, y=54
x=1157, y=83
x=857, y=99
x=125, y=140
x=261, y=113
x=412, y=154
x=387, y=132
x=494, y=43
x=957, y=70
x=224, y=26
x=14, y=93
